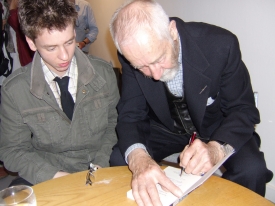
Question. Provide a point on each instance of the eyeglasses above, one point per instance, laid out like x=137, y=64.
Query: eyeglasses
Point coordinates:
x=90, y=178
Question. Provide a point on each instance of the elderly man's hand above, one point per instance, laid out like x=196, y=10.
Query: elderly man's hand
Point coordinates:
x=200, y=157
x=146, y=174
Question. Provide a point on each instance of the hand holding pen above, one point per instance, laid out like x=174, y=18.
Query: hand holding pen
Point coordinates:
x=193, y=137
x=191, y=140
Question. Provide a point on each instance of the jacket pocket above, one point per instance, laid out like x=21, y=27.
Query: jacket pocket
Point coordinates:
x=48, y=131
x=95, y=110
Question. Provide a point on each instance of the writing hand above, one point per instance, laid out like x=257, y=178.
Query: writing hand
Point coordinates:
x=200, y=157
x=146, y=174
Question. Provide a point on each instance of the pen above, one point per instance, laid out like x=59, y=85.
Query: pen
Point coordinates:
x=191, y=140
x=193, y=137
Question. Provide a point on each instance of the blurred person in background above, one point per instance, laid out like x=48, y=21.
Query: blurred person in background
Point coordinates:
x=85, y=27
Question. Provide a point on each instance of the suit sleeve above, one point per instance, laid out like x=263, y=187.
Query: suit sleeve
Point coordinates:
x=91, y=23
x=133, y=123
x=237, y=102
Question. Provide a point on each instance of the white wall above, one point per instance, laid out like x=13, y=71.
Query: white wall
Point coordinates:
x=104, y=47
x=253, y=21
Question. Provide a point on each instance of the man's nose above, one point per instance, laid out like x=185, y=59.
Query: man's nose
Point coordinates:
x=63, y=54
x=156, y=71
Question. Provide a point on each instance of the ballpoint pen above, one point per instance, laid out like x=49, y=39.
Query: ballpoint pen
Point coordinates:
x=191, y=140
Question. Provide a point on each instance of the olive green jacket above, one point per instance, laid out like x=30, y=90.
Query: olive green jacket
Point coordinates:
x=37, y=139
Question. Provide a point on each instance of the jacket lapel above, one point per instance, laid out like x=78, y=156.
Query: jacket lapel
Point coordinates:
x=86, y=75
x=39, y=87
x=155, y=95
x=196, y=84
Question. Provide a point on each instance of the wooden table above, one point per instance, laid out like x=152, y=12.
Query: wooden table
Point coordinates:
x=113, y=183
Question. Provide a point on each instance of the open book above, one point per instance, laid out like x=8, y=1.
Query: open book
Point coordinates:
x=186, y=182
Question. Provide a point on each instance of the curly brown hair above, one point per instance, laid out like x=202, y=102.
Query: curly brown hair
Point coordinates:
x=36, y=15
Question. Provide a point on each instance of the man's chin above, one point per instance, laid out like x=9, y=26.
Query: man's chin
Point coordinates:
x=169, y=74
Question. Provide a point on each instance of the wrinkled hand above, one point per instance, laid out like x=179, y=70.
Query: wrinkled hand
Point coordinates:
x=146, y=174
x=200, y=157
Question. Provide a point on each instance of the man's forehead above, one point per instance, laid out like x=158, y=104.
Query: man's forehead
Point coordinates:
x=145, y=41
x=50, y=36
x=146, y=53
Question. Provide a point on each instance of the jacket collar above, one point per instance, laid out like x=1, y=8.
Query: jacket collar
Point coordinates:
x=196, y=84
x=86, y=74
x=191, y=53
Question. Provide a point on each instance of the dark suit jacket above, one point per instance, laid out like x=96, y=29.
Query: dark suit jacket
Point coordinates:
x=212, y=67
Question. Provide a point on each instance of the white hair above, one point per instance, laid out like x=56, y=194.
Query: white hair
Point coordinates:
x=136, y=17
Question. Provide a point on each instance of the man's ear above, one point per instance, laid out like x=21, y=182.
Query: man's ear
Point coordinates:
x=31, y=44
x=173, y=30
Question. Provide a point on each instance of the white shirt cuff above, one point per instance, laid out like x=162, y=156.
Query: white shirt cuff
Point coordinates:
x=133, y=147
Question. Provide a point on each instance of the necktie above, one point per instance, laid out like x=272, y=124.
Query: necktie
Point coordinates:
x=66, y=98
